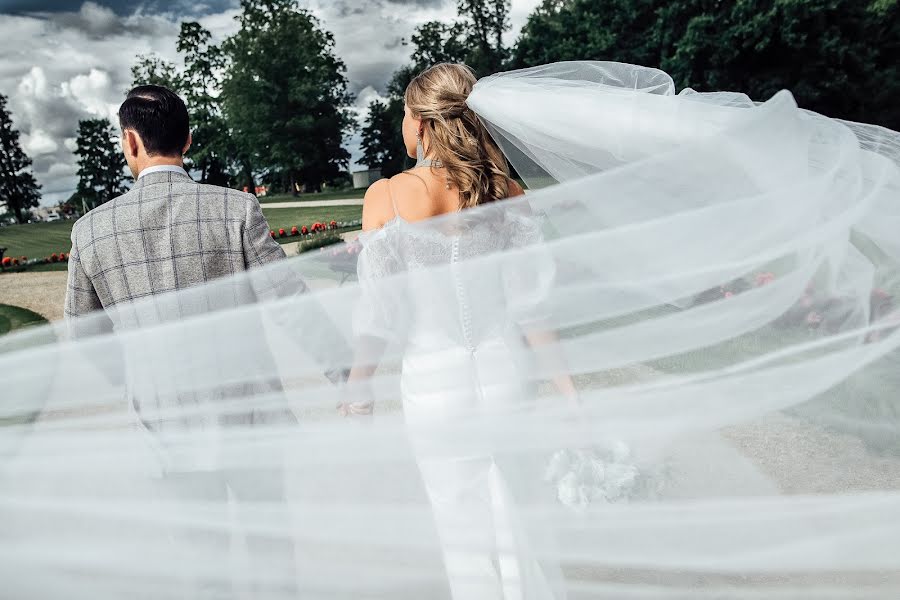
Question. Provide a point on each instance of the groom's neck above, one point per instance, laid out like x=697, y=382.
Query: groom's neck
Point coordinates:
x=158, y=161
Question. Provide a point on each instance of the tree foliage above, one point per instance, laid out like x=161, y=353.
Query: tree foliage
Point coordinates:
x=838, y=57
x=204, y=64
x=285, y=95
x=382, y=137
x=153, y=70
x=101, y=166
x=19, y=191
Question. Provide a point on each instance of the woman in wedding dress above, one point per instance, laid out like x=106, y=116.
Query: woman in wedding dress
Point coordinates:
x=464, y=361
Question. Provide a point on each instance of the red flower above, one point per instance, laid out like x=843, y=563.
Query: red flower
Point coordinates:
x=63, y=257
x=15, y=262
x=7, y=261
x=295, y=231
x=304, y=230
x=272, y=232
x=281, y=232
x=54, y=257
x=334, y=224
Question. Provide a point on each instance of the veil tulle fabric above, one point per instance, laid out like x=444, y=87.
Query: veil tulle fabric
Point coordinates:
x=721, y=276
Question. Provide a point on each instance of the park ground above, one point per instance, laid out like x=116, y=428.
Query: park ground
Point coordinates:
x=41, y=290
x=38, y=240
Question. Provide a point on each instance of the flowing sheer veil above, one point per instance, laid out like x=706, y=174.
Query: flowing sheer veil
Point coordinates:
x=722, y=276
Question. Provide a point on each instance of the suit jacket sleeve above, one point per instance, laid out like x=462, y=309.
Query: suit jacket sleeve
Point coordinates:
x=259, y=247
x=82, y=299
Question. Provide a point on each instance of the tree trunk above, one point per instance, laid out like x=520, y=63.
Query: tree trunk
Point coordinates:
x=248, y=178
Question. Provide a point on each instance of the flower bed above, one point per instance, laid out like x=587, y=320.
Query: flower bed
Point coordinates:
x=23, y=263
x=317, y=228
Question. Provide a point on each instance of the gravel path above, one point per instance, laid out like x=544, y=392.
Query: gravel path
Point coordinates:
x=43, y=293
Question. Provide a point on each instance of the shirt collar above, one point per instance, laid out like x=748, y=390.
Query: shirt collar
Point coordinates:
x=163, y=169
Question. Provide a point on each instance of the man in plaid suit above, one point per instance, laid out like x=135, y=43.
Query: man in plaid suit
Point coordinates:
x=167, y=234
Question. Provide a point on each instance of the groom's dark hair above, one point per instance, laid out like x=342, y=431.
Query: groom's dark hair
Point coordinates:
x=159, y=117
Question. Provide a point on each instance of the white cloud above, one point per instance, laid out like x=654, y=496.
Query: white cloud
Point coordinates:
x=38, y=143
x=94, y=93
x=60, y=67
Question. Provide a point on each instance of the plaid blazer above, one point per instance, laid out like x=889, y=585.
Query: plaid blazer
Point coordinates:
x=167, y=233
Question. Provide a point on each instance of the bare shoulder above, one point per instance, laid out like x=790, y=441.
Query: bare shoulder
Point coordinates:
x=377, y=206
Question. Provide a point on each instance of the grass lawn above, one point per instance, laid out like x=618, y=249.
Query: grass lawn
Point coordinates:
x=13, y=317
x=37, y=240
x=340, y=195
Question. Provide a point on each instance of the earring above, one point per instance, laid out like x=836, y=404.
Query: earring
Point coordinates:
x=420, y=149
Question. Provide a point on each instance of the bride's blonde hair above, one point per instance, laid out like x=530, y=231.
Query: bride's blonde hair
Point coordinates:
x=457, y=138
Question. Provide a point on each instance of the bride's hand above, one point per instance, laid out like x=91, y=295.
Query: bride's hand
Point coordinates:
x=360, y=401
x=357, y=409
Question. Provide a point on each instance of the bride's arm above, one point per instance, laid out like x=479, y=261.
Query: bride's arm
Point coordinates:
x=545, y=342
x=367, y=349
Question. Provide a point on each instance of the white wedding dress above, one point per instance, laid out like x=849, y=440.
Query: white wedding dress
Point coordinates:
x=464, y=358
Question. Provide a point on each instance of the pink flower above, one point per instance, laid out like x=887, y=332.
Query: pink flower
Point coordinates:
x=764, y=278
x=813, y=319
x=729, y=294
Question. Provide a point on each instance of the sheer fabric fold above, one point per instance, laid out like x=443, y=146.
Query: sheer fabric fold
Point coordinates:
x=722, y=278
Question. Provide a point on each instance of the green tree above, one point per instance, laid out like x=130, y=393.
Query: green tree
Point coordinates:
x=382, y=137
x=153, y=70
x=100, y=164
x=485, y=22
x=204, y=64
x=19, y=191
x=285, y=96
x=838, y=57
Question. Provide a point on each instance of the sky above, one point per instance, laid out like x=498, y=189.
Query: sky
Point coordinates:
x=65, y=60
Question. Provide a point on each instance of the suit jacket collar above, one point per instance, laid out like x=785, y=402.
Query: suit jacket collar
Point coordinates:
x=162, y=177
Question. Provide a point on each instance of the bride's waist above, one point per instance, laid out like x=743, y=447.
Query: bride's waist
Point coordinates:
x=447, y=354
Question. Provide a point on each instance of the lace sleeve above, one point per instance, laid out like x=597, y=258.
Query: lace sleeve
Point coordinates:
x=380, y=308
x=527, y=284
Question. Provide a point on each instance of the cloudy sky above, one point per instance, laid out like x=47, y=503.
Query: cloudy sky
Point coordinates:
x=65, y=60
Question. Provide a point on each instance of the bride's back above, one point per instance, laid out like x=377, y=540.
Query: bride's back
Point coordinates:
x=418, y=221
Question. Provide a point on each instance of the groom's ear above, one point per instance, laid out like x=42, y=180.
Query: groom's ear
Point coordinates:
x=187, y=144
x=130, y=143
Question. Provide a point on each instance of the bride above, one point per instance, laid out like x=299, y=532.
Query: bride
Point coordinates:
x=458, y=361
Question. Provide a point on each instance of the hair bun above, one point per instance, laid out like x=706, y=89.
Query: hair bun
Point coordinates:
x=455, y=112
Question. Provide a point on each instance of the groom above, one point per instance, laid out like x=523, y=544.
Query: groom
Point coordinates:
x=168, y=232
